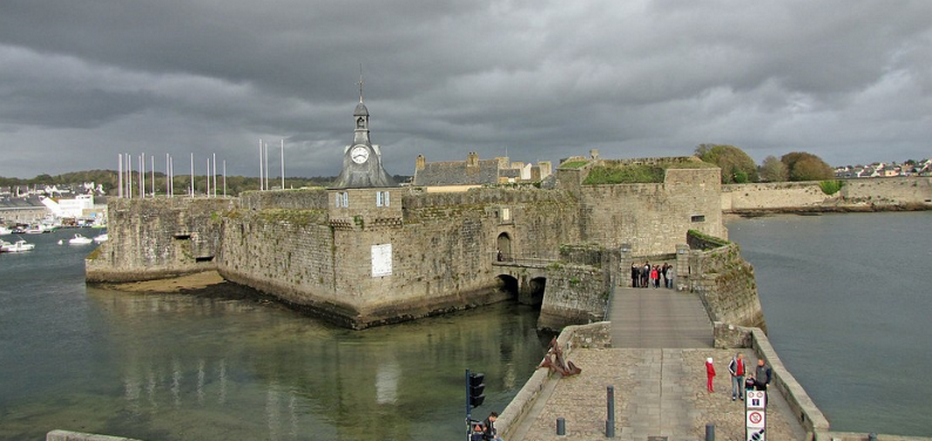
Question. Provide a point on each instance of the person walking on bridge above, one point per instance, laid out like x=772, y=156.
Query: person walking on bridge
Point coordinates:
x=709, y=373
x=736, y=368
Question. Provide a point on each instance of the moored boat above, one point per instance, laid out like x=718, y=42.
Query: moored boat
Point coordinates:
x=101, y=238
x=78, y=239
x=19, y=246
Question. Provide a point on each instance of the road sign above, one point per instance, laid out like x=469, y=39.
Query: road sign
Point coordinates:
x=755, y=410
x=756, y=419
x=756, y=399
x=756, y=435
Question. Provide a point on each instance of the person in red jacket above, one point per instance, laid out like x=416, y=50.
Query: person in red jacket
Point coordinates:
x=709, y=372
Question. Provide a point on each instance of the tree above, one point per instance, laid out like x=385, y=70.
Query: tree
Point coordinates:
x=773, y=170
x=737, y=166
x=804, y=166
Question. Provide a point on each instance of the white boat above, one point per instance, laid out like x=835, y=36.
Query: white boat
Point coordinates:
x=17, y=247
x=4, y=231
x=80, y=240
x=101, y=238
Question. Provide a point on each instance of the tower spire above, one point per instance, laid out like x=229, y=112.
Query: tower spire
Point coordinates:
x=360, y=83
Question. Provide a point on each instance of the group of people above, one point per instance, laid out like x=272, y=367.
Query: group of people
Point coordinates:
x=646, y=275
x=741, y=379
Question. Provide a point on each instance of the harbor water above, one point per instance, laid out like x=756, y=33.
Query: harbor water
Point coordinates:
x=164, y=367
x=847, y=301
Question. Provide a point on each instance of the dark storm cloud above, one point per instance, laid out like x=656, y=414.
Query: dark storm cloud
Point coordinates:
x=848, y=80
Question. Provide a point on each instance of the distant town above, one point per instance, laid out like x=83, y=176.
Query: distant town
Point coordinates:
x=885, y=170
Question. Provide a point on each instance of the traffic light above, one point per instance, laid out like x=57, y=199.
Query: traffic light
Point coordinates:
x=476, y=387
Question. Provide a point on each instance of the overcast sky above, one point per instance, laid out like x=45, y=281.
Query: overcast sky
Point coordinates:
x=81, y=81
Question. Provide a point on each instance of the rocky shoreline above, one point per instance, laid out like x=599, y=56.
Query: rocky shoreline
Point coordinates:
x=820, y=209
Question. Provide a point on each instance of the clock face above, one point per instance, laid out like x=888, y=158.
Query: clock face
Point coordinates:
x=359, y=154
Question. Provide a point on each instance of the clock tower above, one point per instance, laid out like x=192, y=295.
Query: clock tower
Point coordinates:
x=362, y=161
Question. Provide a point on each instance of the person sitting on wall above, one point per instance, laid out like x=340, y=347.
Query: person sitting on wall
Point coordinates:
x=491, y=434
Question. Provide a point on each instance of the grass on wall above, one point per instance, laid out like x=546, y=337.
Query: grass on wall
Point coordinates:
x=637, y=173
x=831, y=187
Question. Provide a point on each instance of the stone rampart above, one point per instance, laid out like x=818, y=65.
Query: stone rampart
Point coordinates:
x=316, y=249
x=574, y=294
x=723, y=280
x=158, y=238
x=651, y=218
x=905, y=192
x=870, y=194
x=300, y=199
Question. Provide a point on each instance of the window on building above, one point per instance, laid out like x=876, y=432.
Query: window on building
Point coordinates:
x=506, y=214
x=698, y=218
x=342, y=200
x=382, y=198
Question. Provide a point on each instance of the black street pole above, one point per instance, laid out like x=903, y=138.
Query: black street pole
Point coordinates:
x=468, y=408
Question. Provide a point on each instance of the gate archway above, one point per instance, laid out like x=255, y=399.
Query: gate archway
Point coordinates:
x=504, y=246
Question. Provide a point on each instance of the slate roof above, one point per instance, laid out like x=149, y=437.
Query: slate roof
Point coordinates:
x=30, y=202
x=457, y=173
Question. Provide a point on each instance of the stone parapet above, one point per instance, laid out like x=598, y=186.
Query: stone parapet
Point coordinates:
x=805, y=410
x=64, y=435
x=850, y=436
x=584, y=336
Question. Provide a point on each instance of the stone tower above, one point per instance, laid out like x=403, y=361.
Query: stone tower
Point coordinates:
x=362, y=161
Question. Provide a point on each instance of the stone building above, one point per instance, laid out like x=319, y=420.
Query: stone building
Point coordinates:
x=475, y=172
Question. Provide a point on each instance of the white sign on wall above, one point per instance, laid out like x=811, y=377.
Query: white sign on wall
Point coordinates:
x=382, y=260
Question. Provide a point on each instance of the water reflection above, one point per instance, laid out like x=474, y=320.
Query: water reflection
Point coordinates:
x=214, y=368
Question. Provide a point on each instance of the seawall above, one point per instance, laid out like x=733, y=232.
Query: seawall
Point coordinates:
x=856, y=195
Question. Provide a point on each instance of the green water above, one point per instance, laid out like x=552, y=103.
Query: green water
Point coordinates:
x=183, y=367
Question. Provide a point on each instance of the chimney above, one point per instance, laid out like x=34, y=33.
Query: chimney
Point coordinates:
x=472, y=159
x=420, y=163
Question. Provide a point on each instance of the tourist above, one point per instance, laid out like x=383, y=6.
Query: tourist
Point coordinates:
x=762, y=375
x=663, y=273
x=749, y=382
x=654, y=277
x=645, y=274
x=669, y=276
x=736, y=369
x=490, y=433
x=709, y=372
x=635, y=275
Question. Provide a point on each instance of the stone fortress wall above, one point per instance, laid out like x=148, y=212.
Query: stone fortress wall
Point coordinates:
x=315, y=252
x=714, y=269
x=158, y=238
x=873, y=194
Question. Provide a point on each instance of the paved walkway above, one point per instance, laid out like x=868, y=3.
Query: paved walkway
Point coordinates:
x=658, y=393
x=661, y=339
x=659, y=318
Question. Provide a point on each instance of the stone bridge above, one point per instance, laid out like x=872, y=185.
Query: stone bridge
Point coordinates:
x=526, y=277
